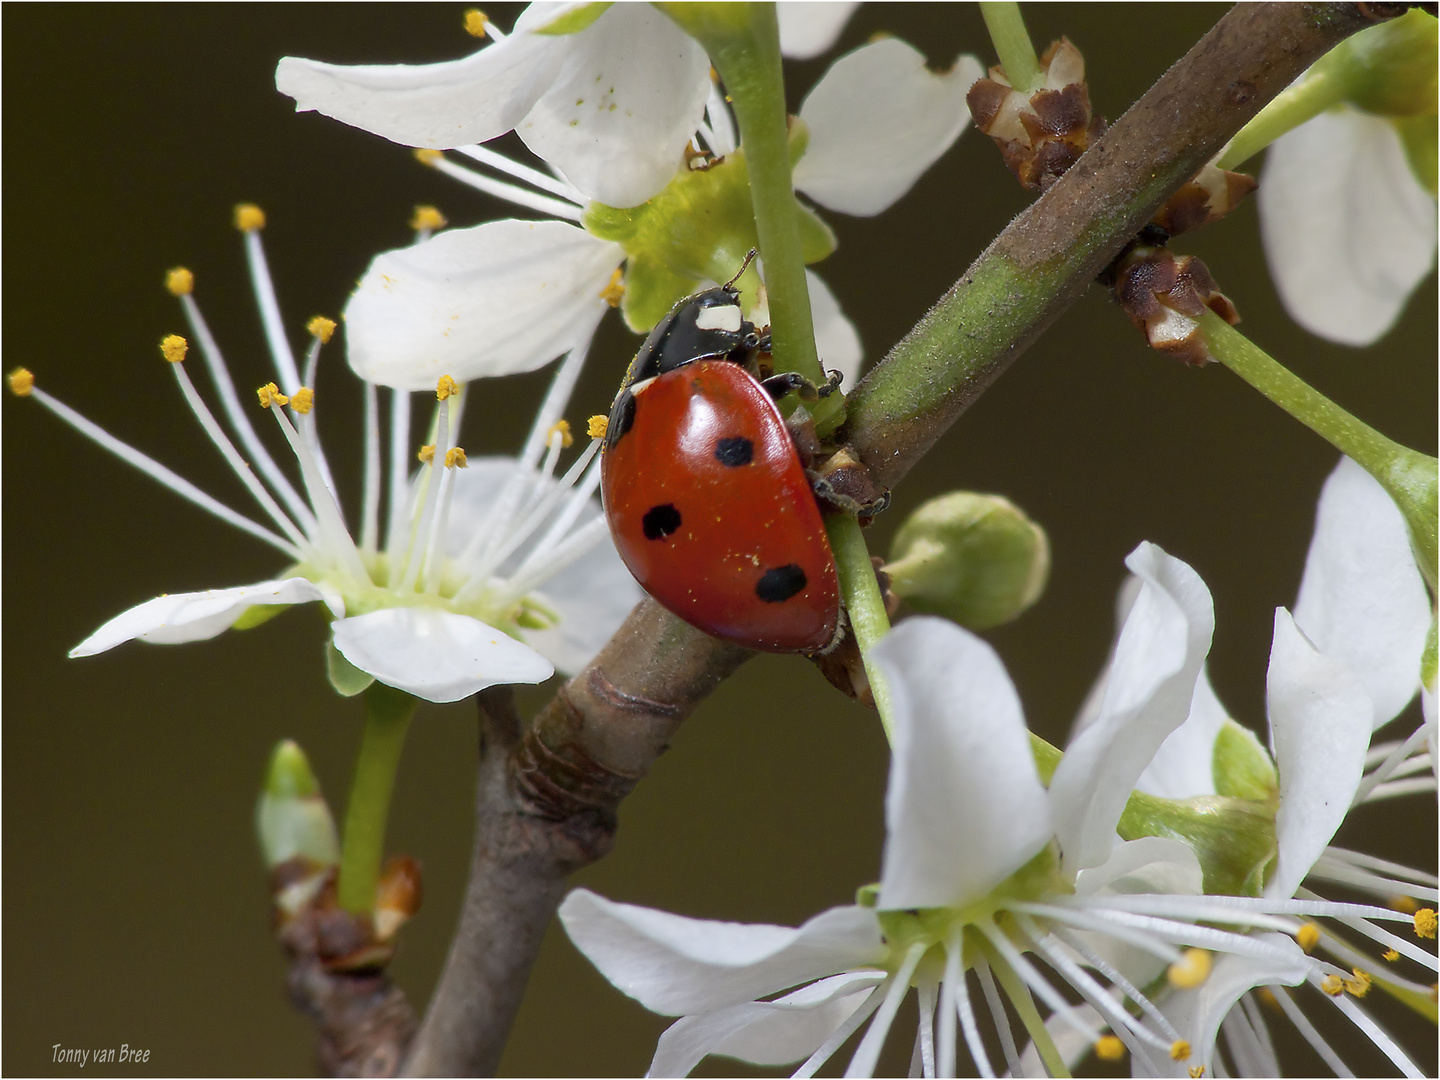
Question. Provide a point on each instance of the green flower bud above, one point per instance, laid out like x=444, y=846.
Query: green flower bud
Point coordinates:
x=1241, y=767
x=699, y=228
x=1390, y=69
x=973, y=558
x=292, y=818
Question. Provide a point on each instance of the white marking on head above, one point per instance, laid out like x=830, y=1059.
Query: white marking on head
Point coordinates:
x=720, y=317
x=641, y=386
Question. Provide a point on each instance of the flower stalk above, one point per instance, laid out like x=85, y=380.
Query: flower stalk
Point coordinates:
x=744, y=44
x=863, y=604
x=387, y=720
x=1012, y=44
x=1408, y=476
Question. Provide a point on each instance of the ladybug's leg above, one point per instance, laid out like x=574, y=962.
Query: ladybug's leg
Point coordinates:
x=832, y=383
x=781, y=383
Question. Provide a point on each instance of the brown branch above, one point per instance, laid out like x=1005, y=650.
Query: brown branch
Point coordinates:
x=545, y=806
x=547, y=798
x=1048, y=255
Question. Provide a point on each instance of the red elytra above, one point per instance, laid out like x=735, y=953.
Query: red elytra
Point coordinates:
x=711, y=510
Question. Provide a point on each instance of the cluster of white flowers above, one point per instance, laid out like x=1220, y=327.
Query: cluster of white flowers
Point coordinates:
x=991, y=876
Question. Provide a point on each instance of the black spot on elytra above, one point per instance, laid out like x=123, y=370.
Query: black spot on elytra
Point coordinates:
x=780, y=583
x=622, y=418
x=660, y=521
x=734, y=451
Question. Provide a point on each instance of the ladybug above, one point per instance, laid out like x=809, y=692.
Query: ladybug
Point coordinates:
x=704, y=490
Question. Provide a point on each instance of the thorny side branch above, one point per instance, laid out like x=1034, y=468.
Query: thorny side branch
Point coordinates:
x=547, y=793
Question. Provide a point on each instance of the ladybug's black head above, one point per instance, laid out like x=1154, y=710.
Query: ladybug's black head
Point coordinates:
x=707, y=326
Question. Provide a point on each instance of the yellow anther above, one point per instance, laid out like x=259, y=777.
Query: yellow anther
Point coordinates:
x=1267, y=997
x=427, y=217
x=271, y=397
x=1359, y=986
x=322, y=328
x=303, y=400
x=1308, y=936
x=475, y=21
x=249, y=217
x=426, y=156
x=1333, y=985
x=1179, y=1050
x=1406, y=904
x=614, y=292
x=446, y=387
x=179, y=282
x=21, y=382
x=1391, y=955
x=1192, y=969
x=1425, y=922
x=173, y=347
x=455, y=458
x=1109, y=1048
x=561, y=428
x=1196, y=1071
x=596, y=426
x=427, y=453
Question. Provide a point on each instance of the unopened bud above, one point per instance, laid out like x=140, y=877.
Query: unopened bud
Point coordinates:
x=973, y=558
x=397, y=896
x=1212, y=194
x=1165, y=295
x=1043, y=133
x=292, y=818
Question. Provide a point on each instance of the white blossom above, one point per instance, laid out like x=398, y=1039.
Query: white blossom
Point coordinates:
x=497, y=572
x=1349, y=231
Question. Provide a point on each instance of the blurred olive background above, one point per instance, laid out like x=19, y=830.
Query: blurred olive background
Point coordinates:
x=135, y=905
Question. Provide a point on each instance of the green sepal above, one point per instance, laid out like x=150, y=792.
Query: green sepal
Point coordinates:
x=345, y=677
x=572, y=22
x=1241, y=766
x=1390, y=69
x=1418, y=135
x=710, y=23
x=1427, y=659
x=291, y=816
x=257, y=614
x=699, y=228
x=1047, y=758
x=1234, y=839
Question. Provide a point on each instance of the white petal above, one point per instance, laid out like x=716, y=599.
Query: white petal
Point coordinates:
x=878, y=119
x=836, y=339
x=1152, y=864
x=764, y=1032
x=1197, y=1013
x=503, y=297
x=440, y=106
x=1320, y=730
x=1349, y=232
x=1362, y=599
x=436, y=655
x=592, y=595
x=808, y=29
x=674, y=965
x=965, y=807
x=1147, y=696
x=1090, y=707
x=1183, y=767
x=629, y=94
x=198, y=616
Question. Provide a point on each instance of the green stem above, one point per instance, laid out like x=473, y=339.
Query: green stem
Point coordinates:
x=387, y=718
x=1319, y=90
x=1012, y=44
x=863, y=604
x=1024, y=1004
x=1408, y=476
x=743, y=41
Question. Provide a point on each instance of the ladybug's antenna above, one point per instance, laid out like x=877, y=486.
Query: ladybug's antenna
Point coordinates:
x=749, y=258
